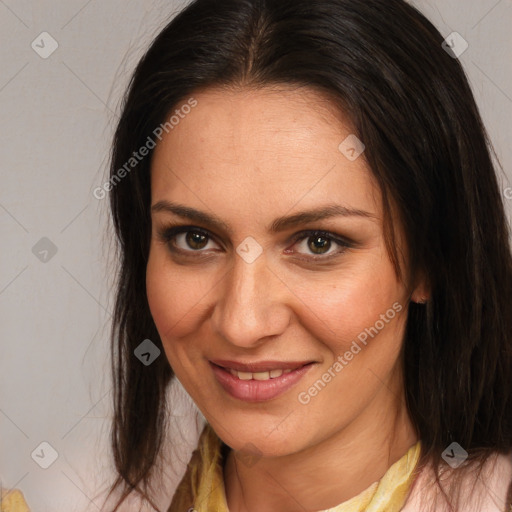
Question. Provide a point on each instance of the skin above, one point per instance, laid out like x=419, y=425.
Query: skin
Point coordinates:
x=249, y=157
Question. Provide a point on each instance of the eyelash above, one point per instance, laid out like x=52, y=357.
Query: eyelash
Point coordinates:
x=169, y=233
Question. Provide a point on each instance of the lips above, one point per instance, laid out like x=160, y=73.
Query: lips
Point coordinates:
x=266, y=380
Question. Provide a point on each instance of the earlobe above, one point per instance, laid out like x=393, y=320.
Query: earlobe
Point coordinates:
x=421, y=294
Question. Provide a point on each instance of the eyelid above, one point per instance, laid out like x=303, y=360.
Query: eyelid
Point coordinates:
x=170, y=231
x=322, y=232
x=342, y=242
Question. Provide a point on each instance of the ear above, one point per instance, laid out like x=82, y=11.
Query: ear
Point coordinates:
x=421, y=292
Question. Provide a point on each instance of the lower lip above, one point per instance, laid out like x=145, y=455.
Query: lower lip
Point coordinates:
x=258, y=390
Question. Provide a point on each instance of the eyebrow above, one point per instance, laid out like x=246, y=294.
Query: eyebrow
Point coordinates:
x=278, y=225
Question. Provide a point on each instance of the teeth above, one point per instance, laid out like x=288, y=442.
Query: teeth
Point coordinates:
x=272, y=374
x=261, y=376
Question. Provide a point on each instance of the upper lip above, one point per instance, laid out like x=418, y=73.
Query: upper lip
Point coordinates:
x=260, y=366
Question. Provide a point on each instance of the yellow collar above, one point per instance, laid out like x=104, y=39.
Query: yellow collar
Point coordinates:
x=202, y=487
x=12, y=500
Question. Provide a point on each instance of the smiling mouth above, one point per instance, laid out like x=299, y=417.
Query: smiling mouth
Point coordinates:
x=266, y=381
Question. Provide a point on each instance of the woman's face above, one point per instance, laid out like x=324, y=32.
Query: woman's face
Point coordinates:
x=257, y=285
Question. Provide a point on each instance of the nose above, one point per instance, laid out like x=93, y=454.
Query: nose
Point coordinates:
x=251, y=304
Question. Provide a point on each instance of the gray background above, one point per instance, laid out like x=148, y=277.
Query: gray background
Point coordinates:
x=57, y=117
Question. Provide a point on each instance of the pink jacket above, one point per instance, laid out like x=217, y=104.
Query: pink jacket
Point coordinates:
x=492, y=485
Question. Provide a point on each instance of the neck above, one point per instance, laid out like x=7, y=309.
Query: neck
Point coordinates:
x=329, y=473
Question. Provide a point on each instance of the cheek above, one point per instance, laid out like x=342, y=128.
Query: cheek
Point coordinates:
x=174, y=298
x=360, y=323
x=348, y=303
x=174, y=295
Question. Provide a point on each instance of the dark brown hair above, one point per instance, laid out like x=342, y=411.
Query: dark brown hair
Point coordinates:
x=383, y=65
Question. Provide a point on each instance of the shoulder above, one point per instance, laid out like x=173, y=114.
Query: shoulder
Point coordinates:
x=491, y=492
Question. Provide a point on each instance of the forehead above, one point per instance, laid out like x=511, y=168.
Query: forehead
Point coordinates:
x=254, y=147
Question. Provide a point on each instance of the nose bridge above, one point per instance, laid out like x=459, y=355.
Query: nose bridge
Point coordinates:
x=250, y=306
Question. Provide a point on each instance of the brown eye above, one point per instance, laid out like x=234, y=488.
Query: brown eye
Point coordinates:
x=196, y=240
x=186, y=239
x=318, y=244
